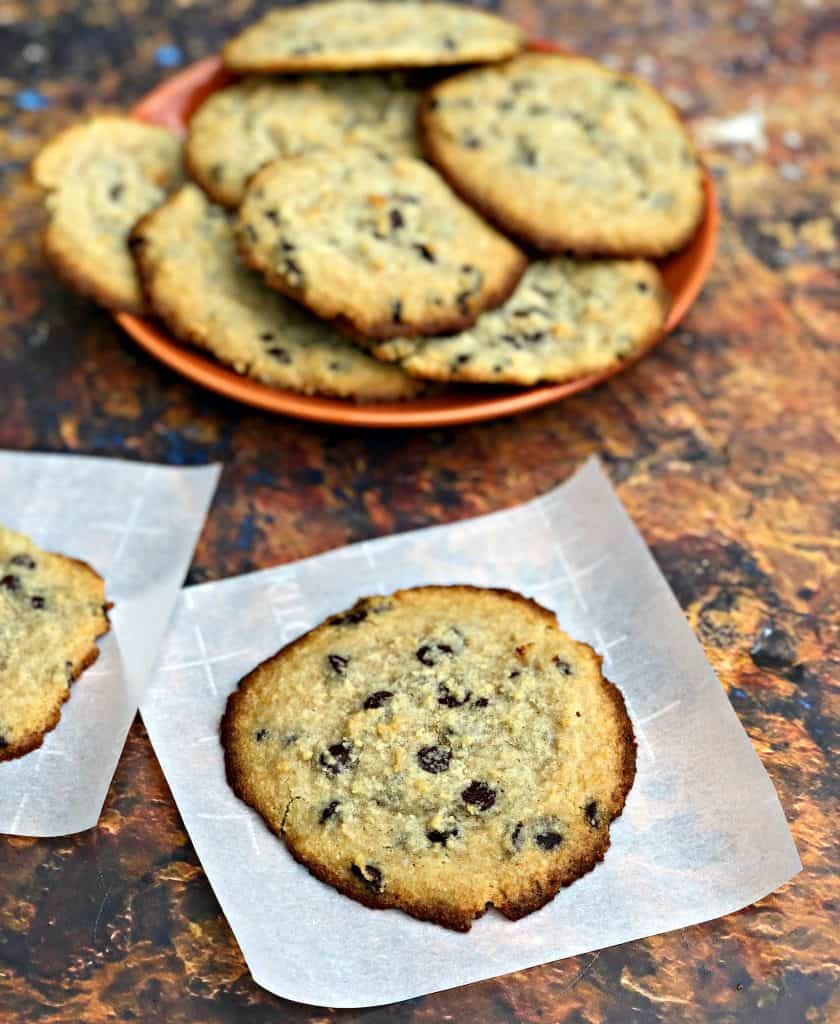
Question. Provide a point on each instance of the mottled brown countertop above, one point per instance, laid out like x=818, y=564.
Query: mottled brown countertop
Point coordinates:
x=723, y=445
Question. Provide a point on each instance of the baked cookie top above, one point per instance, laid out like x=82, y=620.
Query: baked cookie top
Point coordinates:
x=101, y=177
x=567, y=155
x=353, y=34
x=567, y=318
x=52, y=609
x=242, y=127
x=196, y=283
x=380, y=244
x=437, y=750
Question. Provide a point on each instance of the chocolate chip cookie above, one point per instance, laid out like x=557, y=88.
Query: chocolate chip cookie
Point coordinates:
x=377, y=243
x=242, y=127
x=196, y=283
x=52, y=609
x=440, y=750
x=353, y=34
x=101, y=177
x=567, y=155
x=567, y=318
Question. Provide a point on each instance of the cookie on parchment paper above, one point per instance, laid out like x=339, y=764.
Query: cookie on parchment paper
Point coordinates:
x=566, y=319
x=198, y=286
x=379, y=244
x=240, y=128
x=101, y=177
x=52, y=609
x=356, y=34
x=437, y=750
x=567, y=155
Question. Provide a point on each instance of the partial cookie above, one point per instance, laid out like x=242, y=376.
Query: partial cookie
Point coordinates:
x=380, y=245
x=567, y=155
x=242, y=127
x=52, y=609
x=439, y=750
x=102, y=176
x=196, y=283
x=566, y=319
x=353, y=34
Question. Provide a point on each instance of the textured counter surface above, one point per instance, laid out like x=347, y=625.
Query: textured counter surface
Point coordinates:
x=723, y=446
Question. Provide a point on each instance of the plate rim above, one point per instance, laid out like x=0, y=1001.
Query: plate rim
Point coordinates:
x=453, y=409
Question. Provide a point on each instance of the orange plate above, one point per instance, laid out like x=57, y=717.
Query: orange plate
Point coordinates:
x=171, y=105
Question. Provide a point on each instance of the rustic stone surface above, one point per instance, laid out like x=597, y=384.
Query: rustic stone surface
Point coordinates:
x=721, y=444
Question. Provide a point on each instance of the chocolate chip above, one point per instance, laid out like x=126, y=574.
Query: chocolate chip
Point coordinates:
x=525, y=153
x=563, y=665
x=459, y=360
x=425, y=252
x=516, y=837
x=10, y=583
x=116, y=191
x=328, y=811
x=338, y=663
x=337, y=758
x=548, y=840
x=37, y=601
x=267, y=336
x=449, y=43
x=396, y=219
x=24, y=561
x=351, y=618
x=396, y=311
x=292, y=270
x=515, y=674
x=448, y=699
x=482, y=702
x=643, y=286
x=471, y=142
x=370, y=876
x=377, y=699
x=424, y=655
x=428, y=654
x=434, y=836
x=260, y=735
x=217, y=172
x=535, y=336
x=479, y=794
x=433, y=103
x=590, y=812
x=280, y=354
x=3, y=742
x=434, y=759
x=271, y=215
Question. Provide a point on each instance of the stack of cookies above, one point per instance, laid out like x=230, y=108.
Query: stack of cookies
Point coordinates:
x=388, y=195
